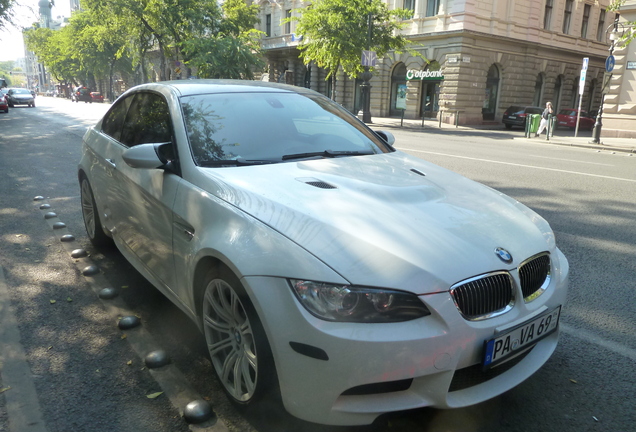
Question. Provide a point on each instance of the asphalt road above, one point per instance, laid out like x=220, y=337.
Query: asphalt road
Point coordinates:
x=73, y=370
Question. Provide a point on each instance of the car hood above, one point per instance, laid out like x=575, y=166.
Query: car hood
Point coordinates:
x=388, y=220
x=22, y=96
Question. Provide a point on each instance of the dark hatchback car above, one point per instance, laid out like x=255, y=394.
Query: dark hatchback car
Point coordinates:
x=81, y=94
x=516, y=115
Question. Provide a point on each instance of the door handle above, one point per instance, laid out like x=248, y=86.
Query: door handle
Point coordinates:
x=111, y=163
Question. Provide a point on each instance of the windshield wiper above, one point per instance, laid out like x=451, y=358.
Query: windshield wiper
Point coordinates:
x=235, y=162
x=328, y=153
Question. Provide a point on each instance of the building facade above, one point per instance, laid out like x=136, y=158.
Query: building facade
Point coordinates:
x=619, y=108
x=477, y=58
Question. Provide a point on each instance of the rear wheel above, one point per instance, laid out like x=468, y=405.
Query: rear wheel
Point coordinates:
x=236, y=341
x=90, y=214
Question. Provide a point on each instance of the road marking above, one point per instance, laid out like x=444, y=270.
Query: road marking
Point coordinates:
x=573, y=160
x=597, y=340
x=520, y=165
x=23, y=407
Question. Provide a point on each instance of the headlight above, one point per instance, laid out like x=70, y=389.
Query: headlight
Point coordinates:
x=357, y=304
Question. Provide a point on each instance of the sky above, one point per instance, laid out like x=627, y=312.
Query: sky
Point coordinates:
x=26, y=13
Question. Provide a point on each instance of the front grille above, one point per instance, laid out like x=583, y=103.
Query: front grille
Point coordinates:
x=484, y=296
x=534, y=275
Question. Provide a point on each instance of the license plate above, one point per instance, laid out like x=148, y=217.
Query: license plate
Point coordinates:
x=509, y=343
x=512, y=118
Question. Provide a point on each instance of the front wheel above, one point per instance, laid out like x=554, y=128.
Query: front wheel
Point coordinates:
x=236, y=341
x=90, y=214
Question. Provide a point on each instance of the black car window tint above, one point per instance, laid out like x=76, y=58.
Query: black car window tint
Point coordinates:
x=114, y=119
x=147, y=121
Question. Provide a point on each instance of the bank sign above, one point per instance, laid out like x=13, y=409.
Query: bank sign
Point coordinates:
x=421, y=75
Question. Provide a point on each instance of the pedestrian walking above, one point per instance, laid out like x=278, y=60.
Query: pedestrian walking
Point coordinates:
x=545, y=117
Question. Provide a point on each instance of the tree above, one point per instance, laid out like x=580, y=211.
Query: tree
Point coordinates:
x=335, y=32
x=6, y=12
x=234, y=51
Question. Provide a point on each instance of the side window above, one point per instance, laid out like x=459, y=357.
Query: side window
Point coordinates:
x=147, y=121
x=113, y=121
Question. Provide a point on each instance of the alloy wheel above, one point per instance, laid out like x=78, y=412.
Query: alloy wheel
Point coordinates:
x=88, y=209
x=230, y=339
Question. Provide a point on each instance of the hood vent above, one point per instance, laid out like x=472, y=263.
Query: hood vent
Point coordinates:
x=317, y=183
x=418, y=172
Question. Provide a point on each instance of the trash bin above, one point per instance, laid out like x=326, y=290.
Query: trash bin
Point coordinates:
x=533, y=121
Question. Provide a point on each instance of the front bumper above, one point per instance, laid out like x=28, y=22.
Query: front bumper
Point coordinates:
x=372, y=369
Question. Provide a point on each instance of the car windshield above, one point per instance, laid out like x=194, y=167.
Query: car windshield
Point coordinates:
x=241, y=128
x=20, y=91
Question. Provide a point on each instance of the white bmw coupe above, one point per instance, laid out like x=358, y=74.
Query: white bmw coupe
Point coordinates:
x=321, y=264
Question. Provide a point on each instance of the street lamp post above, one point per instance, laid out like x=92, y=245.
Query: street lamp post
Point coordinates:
x=613, y=36
x=365, y=87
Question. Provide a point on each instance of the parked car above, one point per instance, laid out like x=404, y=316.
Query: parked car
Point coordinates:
x=97, y=97
x=81, y=94
x=319, y=261
x=516, y=115
x=20, y=96
x=4, y=105
x=567, y=118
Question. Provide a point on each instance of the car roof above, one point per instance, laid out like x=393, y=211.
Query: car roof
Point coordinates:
x=211, y=86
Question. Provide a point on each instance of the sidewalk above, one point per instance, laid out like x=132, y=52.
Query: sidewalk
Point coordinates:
x=627, y=145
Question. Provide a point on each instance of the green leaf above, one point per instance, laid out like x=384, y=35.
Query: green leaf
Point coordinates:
x=154, y=395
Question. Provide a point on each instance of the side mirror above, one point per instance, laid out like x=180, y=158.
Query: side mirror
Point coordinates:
x=386, y=136
x=145, y=156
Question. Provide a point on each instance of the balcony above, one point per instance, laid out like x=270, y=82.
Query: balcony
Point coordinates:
x=285, y=41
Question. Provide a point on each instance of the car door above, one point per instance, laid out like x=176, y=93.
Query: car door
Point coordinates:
x=142, y=210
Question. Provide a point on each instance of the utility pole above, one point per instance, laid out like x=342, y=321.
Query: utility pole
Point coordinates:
x=365, y=87
x=609, y=67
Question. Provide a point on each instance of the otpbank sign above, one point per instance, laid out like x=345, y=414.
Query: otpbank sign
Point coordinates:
x=423, y=75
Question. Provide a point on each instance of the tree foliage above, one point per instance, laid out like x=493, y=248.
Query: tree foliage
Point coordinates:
x=335, y=32
x=130, y=36
x=6, y=12
x=234, y=51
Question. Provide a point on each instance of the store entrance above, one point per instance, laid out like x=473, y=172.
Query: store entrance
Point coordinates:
x=430, y=99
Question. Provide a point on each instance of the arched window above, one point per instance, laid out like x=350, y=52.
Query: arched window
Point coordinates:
x=538, y=90
x=592, y=96
x=398, y=79
x=558, y=90
x=489, y=109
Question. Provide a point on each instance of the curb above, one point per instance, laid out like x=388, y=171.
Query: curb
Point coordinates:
x=173, y=384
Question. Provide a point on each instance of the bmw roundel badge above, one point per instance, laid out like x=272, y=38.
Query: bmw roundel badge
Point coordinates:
x=503, y=255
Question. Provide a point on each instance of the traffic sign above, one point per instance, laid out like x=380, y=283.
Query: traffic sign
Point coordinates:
x=369, y=58
x=610, y=63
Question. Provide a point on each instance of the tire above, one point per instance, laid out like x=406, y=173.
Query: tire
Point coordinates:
x=235, y=338
x=90, y=214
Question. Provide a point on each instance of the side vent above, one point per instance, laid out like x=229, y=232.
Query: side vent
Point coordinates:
x=317, y=183
x=418, y=172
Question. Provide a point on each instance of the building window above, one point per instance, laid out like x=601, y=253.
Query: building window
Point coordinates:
x=432, y=7
x=287, y=21
x=600, y=32
x=567, y=16
x=547, y=17
x=268, y=25
x=409, y=4
x=586, y=20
